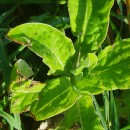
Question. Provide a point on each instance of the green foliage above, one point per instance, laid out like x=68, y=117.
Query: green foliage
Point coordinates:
x=22, y=90
x=55, y=55
x=90, y=19
x=10, y=120
x=113, y=65
x=57, y=96
x=87, y=114
x=90, y=84
x=57, y=73
x=23, y=68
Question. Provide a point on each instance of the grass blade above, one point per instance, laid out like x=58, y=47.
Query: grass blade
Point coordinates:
x=99, y=113
x=106, y=106
x=10, y=120
x=113, y=113
x=17, y=119
x=4, y=64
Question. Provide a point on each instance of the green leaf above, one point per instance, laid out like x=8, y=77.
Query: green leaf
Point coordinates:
x=23, y=94
x=85, y=117
x=57, y=96
x=90, y=84
x=47, y=42
x=90, y=18
x=89, y=62
x=88, y=118
x=23, y=68
x=23, y=91
x=10, y=120
x=113, y=65
x=70, y=119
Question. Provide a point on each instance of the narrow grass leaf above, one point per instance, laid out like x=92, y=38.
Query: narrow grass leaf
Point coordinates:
x=113, y=113
x=6, y=14
x=10, y=120
x=4, y=64
x=17, y=119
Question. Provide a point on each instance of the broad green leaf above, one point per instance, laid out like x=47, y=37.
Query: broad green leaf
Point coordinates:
x=23, y=94
x=23, y=68
x=85, y=117
x=90, y=84
x=48, y=43
x=113, y=65
x=89, y=120
x=57, y=96
x=90, y=18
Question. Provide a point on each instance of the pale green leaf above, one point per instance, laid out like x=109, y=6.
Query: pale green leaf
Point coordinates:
x=23, y=68
x=47, y=42
x=89, y=120
x=114, y=65
x=23, y=93
x=57, y=96
x=90, y=18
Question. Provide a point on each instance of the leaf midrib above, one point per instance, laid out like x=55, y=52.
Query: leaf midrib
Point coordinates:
x=54, y=98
